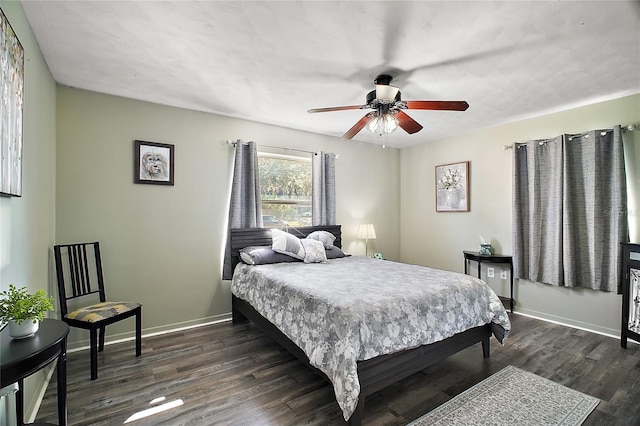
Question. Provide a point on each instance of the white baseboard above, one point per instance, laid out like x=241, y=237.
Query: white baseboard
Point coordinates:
x=609, y=332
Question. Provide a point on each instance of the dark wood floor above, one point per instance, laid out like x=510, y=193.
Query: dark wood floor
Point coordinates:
x=234, y=374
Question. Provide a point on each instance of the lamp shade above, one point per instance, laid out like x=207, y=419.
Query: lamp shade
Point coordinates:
x=386, y=92
x=367, y=231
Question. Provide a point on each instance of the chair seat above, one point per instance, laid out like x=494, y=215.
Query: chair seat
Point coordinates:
x=102, y=311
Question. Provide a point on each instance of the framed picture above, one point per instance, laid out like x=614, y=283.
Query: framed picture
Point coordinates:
x=11, y=104
x=153, y=163
x=452, y=187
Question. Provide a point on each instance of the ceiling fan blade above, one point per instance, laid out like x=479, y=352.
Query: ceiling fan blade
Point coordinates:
x=407, y=123
x=338, y=108
x=438, y=105
x=358, y=126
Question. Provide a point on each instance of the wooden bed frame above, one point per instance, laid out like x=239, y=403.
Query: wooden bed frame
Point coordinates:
x=376, y=373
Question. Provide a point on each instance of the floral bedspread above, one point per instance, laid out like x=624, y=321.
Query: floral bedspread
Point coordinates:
x=356, y=308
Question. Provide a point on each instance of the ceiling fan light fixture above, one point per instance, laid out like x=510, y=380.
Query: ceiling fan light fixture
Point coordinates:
x=372, y=125
x=386, y=92
x=383, y=124
x=390, y=122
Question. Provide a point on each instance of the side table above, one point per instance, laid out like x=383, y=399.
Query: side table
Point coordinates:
x=490, y=258
x=20, y=358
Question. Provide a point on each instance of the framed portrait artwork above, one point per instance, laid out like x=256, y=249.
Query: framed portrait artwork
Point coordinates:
x=153, y=163
x=452, y=187
x=11, y=107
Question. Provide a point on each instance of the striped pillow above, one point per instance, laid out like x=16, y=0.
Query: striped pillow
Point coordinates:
x=288, y=244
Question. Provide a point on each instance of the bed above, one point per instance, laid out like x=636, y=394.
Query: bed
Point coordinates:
x=362, y=342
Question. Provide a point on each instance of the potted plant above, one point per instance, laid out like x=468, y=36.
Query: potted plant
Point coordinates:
x=23, y=310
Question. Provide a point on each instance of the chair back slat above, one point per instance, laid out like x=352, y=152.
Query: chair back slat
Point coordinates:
x=75, y=274
x=79, y=270
x=99, y=268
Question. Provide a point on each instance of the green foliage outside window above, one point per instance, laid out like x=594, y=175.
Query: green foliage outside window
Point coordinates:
x=285, y=189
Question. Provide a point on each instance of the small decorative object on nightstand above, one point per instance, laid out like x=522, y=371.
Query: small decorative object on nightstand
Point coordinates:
x=23, y=310
x=485, y=249
x=630, y=284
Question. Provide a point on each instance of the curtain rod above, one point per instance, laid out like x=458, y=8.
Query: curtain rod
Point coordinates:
x=232, y=143
x=628, y=128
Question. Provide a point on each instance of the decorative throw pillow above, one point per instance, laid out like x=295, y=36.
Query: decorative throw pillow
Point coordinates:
x=314, y=251
x=335, y=253
x=326, y=237
x=263, y=255
x=288, y=244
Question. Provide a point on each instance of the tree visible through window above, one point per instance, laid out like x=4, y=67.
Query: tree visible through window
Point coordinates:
x=285, y=190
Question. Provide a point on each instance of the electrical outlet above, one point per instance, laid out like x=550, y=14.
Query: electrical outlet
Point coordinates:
x=503, y=275
x=490, y=272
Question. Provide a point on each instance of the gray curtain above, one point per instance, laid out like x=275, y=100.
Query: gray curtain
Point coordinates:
x=245, y=208
x=537, y=210
x=323, y=198
x=570, y=210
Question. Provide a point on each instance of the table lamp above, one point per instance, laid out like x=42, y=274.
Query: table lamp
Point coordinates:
x=366, y=231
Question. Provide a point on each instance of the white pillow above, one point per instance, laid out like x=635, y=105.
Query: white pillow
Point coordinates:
x=326, y=237
x=288, y=244
x=314, y=251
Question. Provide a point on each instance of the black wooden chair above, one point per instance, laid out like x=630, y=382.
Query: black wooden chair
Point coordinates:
x=73, y=263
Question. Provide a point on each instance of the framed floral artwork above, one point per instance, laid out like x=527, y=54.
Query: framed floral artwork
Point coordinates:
x=452, y=187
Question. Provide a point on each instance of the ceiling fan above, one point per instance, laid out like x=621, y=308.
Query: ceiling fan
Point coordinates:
x=388, y=107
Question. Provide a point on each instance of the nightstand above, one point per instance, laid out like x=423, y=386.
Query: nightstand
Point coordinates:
x=491, y=258
x=20, y=358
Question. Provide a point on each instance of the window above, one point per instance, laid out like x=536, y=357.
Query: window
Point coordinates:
x=285, y=190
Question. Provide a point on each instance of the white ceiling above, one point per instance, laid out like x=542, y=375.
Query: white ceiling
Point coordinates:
x=271, y=61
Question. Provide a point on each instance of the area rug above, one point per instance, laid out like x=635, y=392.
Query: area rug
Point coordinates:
x=513, y=397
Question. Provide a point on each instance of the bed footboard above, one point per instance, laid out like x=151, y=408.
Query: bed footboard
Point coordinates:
x=379, y=372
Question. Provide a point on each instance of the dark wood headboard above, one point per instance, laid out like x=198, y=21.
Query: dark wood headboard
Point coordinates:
x=245, y=237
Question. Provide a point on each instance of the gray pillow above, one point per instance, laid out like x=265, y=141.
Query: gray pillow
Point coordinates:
x=263, y=255
x=334, y=253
